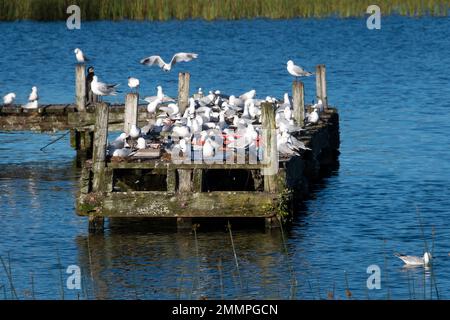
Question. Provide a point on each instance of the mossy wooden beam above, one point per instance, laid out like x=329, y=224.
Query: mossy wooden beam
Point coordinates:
x=159, y=204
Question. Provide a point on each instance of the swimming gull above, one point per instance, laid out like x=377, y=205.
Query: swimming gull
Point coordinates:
x=415, y=261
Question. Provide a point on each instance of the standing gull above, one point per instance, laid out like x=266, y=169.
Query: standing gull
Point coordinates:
x=33, y=95
x=179, y=57
x=9, y=98
x=103, y=89
x=297, y=71
x=133, y=83
x=81, y=58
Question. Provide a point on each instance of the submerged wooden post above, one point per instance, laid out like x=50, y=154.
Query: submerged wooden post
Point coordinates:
x=131, y=111
x=183, y=91
x=99, y=183
x=321, y=85
x=270, y=147
x=80, y=87
x=298, y=97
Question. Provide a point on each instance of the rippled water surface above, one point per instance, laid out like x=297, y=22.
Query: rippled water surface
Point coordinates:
x=392, y=90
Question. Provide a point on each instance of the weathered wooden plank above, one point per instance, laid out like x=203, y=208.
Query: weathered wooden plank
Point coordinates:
x=172, y=204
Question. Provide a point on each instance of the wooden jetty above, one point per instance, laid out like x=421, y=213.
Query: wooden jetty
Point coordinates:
x=158, y=187
x=152, y=185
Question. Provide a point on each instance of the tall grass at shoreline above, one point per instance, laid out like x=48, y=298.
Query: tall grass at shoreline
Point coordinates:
x=161, y=10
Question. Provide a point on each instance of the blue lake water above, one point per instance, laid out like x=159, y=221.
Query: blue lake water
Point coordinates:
x=391, y=87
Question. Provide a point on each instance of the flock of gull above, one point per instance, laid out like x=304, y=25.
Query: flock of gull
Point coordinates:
x=211, y=122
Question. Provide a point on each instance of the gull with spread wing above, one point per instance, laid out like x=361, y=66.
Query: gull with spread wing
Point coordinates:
x=179, y=57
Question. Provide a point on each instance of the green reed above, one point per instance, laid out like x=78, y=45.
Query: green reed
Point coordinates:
x=49, y=10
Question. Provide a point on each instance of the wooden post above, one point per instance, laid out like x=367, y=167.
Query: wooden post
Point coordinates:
x=184, y=224
x=171, y=180
x=183, y=91
x=131, y=111
x=74, y=139
x=100, y=140
x=99, y=183
x=184, y=180
x=80, y=87
x=298, y=95
x=321, y=85
x=197, y=180
x=323, y=80
x=270, y=147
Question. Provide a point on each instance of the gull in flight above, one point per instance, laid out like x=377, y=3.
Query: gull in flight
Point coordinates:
x=297, y=71
x=81, y=58
x=33, y=95
x=415, y=261
x=133, y=83
x=179, y=57
x=103, y=89
x=9, y=98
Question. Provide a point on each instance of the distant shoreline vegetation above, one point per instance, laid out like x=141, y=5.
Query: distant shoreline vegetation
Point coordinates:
x=161, y=10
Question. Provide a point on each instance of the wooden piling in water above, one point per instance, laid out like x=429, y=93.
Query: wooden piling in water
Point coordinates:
x=321, y=85
x=131, y=111
x=183, y=91
x=80, y=87
x=298, y=97
x=100, y=141
x=99, y=183
x=270, y=147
